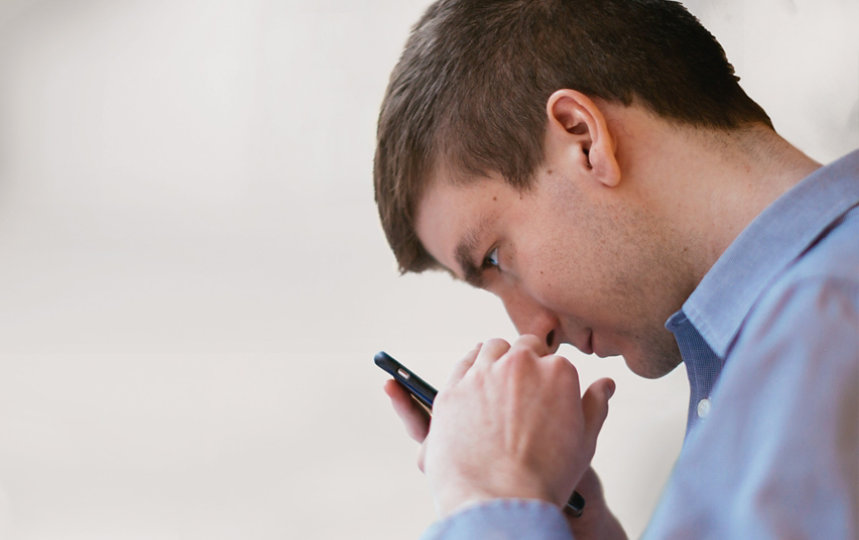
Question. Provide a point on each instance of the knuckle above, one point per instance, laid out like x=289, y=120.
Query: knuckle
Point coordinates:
x=519, y=357
x=518, y=363
x=520, y=352
x=560, y=363
x=562, y=370
x=496, y=343
x=441, y=399
x=529, y=341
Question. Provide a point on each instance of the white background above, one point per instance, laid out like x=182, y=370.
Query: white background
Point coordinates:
x=193, y=279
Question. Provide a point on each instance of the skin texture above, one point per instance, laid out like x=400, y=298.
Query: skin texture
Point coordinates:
x=597, y=521
x=561, y=243
x=626, y=214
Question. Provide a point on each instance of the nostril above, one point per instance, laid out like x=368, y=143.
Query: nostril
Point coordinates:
x=550, y=338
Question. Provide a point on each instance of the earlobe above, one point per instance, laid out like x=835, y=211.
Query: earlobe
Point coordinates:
x=578, y=125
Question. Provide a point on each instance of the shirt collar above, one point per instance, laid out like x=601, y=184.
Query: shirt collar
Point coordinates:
x=780, y=234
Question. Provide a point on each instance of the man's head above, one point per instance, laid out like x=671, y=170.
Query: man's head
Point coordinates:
x=470, y=106
x=471, y=87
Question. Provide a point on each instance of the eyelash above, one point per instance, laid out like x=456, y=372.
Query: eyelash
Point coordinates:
x=491, y=260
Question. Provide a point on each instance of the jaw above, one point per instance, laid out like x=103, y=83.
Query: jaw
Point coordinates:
x=654, y=358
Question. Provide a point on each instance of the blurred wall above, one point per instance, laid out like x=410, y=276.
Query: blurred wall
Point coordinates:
x=193, y=279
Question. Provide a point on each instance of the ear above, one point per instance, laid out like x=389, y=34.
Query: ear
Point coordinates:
x=578, y=128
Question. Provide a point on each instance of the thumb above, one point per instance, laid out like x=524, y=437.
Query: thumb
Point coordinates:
x=595, y=406
x=422, y=456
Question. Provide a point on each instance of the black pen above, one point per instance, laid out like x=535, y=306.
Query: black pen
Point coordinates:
x=425, y=394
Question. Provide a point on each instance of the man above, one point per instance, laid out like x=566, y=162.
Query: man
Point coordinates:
x=595, y=164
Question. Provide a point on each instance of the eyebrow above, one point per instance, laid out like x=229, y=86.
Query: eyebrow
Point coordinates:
x=464, y=252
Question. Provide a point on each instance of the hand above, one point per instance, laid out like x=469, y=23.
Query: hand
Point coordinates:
x=510, y=423
x=596, y=522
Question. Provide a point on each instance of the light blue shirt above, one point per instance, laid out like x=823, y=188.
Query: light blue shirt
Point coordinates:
x=770, y=340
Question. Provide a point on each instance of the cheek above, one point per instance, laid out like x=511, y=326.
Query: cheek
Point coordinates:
x=556, y=282
x=575, y=281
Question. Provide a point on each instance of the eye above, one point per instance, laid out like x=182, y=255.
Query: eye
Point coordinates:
x=491, y=259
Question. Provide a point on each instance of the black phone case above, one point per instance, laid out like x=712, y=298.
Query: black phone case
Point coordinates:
x=425, y=394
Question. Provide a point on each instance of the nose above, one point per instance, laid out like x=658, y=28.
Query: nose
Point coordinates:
x=530, y=317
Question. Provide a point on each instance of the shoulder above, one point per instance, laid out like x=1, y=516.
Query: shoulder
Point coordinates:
x=834, y=255
x=781, y=434
x=815, y=297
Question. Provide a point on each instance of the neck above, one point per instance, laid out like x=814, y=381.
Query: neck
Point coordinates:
x=704, y=186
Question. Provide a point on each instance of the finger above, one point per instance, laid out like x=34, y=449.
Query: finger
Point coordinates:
x=462, y=367
x=595, y=406
x=414, y=417
x=566, y=368
x=531, y=342
x=491, y=351
x=422, y=452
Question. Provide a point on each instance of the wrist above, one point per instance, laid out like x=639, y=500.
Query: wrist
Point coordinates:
x=459, y=495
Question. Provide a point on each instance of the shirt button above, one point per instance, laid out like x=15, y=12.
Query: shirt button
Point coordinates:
x=703, y=408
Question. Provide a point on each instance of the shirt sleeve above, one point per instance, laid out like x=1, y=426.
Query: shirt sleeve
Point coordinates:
x=503, y=519
x=778, y=454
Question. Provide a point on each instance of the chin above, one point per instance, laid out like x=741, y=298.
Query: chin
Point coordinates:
x=654, y=363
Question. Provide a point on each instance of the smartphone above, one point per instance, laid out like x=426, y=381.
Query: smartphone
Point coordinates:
x=419, y=389
x=425, y=394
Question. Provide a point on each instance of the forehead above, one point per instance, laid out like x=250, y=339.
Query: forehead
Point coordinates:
x=454, y=217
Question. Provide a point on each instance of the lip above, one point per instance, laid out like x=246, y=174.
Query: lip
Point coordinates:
x=588, y=347
x=603, y=352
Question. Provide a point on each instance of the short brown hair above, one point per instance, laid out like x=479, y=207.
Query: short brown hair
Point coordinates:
x=470, y=89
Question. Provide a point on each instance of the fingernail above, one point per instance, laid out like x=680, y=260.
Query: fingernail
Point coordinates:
x=611, y=388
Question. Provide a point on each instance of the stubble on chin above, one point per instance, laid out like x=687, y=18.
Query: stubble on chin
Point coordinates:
x=655, y=356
